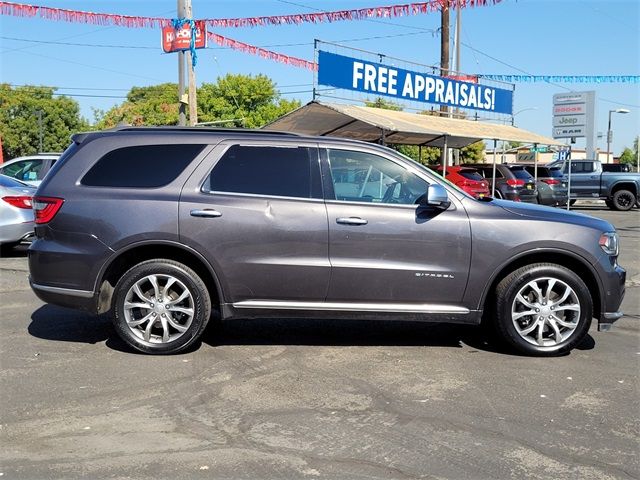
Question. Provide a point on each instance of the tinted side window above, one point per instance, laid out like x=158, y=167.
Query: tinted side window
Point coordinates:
x=521, y=174
x=143, y=166
x=278, y=171
x=488, y=172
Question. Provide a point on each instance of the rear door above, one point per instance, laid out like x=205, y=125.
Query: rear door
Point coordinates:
x=384, y=249
x=255, y=211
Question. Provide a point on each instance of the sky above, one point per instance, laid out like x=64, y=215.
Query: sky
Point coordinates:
x=97, y=65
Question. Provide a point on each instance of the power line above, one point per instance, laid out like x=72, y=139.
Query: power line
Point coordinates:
x=67, y=88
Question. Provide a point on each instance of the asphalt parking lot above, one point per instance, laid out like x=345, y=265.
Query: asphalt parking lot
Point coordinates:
x=315, y=399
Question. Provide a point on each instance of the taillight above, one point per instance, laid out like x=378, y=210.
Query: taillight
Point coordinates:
x=45, y=208
x=550, y=181
x=513, y=182
x=18, y=201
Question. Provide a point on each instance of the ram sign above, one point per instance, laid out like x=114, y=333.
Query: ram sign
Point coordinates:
x=378, y=79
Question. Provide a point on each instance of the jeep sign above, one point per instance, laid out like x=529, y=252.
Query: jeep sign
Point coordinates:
x=574, y=116
x=569, y=120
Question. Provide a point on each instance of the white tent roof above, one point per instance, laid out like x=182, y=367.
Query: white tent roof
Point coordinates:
x=371, y=124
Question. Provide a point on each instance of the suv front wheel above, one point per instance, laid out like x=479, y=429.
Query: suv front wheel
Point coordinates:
x=161, y=306
x=543, y=309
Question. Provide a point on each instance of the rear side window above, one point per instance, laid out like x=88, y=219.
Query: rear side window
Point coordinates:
x=488, y=173
x=555, y=173
x=142, y=166
x=471, y=174
x=277, y=171
x=521, y=173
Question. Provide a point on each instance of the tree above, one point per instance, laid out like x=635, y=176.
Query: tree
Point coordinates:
x=153, y=105
x=19, y=127
x=628, y=156
x=254, y=101
x=473, y=153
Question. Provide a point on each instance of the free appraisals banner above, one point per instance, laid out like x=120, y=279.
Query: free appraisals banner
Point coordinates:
x=378, y=79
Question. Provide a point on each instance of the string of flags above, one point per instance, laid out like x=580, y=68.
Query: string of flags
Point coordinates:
x=262, y=52
x=132, y=21
x=564, y=78
x=389, y=11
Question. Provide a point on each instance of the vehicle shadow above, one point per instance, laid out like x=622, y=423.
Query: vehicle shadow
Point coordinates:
x=19, y=251
x=60, y=324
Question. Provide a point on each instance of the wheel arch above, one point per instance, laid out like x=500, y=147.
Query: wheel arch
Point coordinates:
x=133, y=254
x=564, y=258
x=624, y=185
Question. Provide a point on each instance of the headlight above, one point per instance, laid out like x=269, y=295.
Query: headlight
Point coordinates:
x=609, y=243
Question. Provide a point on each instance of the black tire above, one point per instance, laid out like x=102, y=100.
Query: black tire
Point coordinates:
x=199, y=303
x=623, y=200
x=610, y=204
x=511, y=285
x=572, y=202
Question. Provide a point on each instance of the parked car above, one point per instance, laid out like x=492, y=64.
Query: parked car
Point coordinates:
x=620, y=191
x=551, y=184
x=30, y=169
x=257, y=224
x=469, y=179
x=16, y=214
x=511, y=184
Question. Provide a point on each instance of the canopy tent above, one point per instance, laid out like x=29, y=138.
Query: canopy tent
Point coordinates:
x=389, y=126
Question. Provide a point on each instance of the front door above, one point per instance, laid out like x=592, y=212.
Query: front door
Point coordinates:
x=258, y=216
x=585, y=181
x=383, y=247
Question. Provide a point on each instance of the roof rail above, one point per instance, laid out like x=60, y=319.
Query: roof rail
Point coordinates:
x=173, y=128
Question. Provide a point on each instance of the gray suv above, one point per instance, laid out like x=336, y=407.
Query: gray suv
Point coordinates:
x=166, y=228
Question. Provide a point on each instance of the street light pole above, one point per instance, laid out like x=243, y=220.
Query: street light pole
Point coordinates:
x=513, y=117
x=610, y=133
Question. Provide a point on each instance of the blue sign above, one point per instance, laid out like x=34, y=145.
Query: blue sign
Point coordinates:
x=378, y=79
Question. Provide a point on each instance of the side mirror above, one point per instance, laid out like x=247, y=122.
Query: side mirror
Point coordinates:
x=436, y=197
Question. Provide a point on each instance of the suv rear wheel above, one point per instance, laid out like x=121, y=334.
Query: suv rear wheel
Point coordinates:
x=543, y=309
x=161, y=306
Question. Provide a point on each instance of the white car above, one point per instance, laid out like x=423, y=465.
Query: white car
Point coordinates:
x=16, y=212
x=30, y=169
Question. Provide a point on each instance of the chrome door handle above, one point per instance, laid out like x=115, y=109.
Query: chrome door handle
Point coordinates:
x=351, y=221
x=207, y=212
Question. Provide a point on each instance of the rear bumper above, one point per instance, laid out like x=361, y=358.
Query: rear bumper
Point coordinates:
x=65, y=297
x=16, y=232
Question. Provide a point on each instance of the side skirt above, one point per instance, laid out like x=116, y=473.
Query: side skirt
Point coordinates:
x=353, y=311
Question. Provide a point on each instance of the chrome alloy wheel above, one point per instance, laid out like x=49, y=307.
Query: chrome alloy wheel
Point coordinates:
x=545, y=312
x=158, y=309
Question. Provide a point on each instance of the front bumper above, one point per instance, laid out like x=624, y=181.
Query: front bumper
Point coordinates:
x=614, y=290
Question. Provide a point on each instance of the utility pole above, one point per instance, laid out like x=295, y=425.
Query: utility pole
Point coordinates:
x=444, y=44
x=193, y=101
x=444, y=70
x=40, y=130
x=457, y=69
x=182, y=116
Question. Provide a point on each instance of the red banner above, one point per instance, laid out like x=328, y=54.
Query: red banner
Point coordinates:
x=174, y=40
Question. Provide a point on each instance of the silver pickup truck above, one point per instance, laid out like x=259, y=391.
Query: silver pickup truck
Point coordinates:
x=620, y=190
